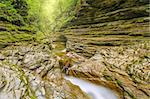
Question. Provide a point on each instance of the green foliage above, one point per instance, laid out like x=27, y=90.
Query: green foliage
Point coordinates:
x=9, y=14
x=21, y=7
x=50, y=15
x=46, y=15
x=24, y=20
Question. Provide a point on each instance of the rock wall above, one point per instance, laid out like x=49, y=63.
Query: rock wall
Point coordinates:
x=108, y=23
x=111, y=37
x=114, y=36
x=14, y=22
x=102, y=11
x=123, y=69
x=29, y=71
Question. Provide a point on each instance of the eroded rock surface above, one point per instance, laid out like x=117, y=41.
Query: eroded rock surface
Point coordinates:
x=108, y=23
x=126, y=70
x=109, y=40
x=114, y=37
x=30, y=71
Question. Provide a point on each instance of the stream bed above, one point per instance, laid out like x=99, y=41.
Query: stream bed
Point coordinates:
x=94, y=91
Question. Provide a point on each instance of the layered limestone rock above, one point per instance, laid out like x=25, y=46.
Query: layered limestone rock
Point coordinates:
x=15, y=24
x=30, y=71
x=126, y=70
x=113, y=39
x=100, y=23
x=110, y=44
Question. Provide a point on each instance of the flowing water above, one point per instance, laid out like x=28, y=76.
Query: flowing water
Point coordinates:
x=95, y=91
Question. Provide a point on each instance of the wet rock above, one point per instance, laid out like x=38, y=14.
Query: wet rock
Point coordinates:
x=29, y=71
x=112, y=36
x=123, y=69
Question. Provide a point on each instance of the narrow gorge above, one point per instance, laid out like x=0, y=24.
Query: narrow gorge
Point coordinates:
x=67, y=49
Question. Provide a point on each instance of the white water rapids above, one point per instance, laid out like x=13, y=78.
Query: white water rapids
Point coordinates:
x=95, y=91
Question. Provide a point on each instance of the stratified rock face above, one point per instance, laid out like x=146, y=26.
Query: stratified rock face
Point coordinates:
x=14, y=22
x=100, y=23
x=126, y=70
x=29, y=71
x=114, y=35
x=101, y=11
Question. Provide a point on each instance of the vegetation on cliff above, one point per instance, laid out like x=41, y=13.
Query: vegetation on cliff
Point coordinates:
x=106, y=42
x=28, y=20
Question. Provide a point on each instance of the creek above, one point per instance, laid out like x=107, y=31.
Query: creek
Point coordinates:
x=94, y=91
